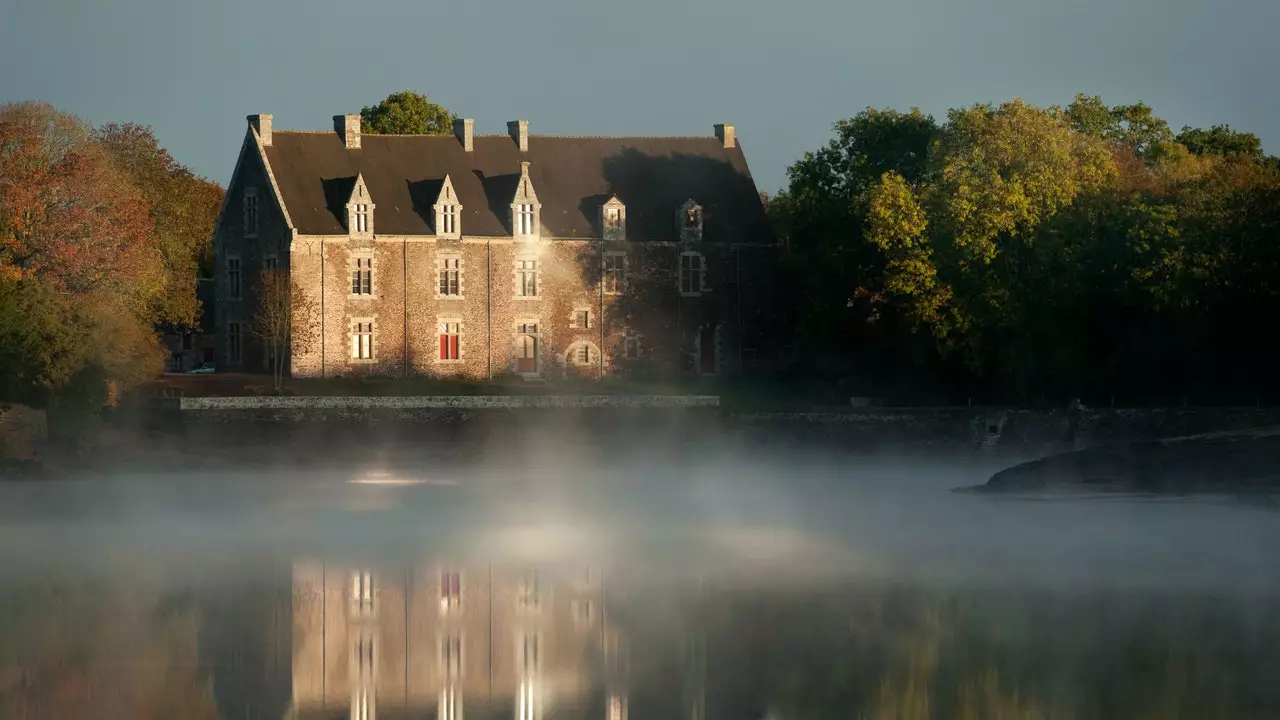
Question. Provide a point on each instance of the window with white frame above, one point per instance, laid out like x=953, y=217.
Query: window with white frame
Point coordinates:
x=529, y=652
x=527, y=705
x=362, y=701
x=450, y=590
x=527, y=277
x=524, y=219
x=580, y=319
x=615, y=269
x=448, y=220
x=362, y=593
x=362, y=340
x=362, y=275
x=360, y=217
x=692, y=273
x=450, y=275
x=527, y=592
x=251, y=212
x=527, y=347
x=613, y=218
x=451, y=656
x=233, y=342
x=450, y=704
x=234, y=282
x=450, y=335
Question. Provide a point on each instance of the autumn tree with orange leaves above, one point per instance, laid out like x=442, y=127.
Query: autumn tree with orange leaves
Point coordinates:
x=90, y=260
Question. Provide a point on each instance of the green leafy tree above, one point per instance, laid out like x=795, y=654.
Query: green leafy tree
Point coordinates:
x=1220, y=140
x=41, y=342
x=406, y=113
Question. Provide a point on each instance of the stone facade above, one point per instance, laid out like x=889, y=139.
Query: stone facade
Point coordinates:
x=540, y=301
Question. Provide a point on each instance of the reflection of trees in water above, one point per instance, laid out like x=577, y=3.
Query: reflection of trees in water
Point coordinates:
x=75, y=650
x=958, y=656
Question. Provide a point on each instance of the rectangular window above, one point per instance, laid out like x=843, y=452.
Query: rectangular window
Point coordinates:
x=615, y=265
x=527, y=594
x=613, y=218
x=450, y=590
x=362, y=341
x=524, y=217
x=362, y=593
x=448, y=219
x=270, y=262
x=527, y=278
x=450, y=704
x=581, y=319
x=449, y=334
x=529, y=653
x=692, y=273
x=584, y=611
x=250, y=212
x=363, y=661
x=233, y=278
x=451, y=656
x=187, y=340
x=527, y=347
x=362, y=276
x=360, y=213
x=450, y=276
x=581, y=355
x=233, y=342
x=631, y=346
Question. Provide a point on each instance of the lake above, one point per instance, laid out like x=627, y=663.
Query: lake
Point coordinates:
x=690, y=584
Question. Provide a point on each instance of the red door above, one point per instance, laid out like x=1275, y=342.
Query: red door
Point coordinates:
x=707, y=350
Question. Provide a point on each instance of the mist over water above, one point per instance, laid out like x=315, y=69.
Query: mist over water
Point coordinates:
x=734, y=581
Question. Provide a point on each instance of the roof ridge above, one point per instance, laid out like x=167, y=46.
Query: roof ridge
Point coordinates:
x=505, y=136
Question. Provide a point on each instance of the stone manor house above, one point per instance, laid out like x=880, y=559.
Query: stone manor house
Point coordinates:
x=479, y=256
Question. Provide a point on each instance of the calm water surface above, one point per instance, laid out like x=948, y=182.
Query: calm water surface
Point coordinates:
x=705, y=588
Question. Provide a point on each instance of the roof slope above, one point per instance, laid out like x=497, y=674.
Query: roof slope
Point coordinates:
x=573, y=177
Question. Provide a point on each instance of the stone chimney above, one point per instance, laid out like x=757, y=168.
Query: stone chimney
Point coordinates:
x=262, y=124
x=519, y=131
x=725, y=134
x=348, y=129
x=464, y=130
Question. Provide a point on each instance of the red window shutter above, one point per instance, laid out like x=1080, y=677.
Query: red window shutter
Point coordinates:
x=444, y=347
x=453, y=347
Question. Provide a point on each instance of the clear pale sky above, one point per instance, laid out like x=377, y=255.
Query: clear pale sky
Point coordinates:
x=782, y=72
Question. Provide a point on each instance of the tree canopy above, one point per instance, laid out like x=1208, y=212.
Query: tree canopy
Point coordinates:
x=101, y=234
x=406, y=113
x=1022, y=252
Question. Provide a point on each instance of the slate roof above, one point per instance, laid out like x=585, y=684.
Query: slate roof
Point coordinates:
x=572, y=176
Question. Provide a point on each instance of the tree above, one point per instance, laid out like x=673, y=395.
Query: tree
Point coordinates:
x=1220, y=140
x=183, y=208
x=406, y=113
x=285, y=319
x=40, y=346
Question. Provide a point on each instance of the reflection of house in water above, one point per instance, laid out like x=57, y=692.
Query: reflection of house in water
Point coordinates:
x=444, y=642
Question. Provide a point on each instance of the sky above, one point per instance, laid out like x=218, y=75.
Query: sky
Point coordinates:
x=783, y=73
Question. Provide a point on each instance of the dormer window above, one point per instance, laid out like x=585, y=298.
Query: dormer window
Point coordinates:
x=526, y=211
x=361, y=215
x=360, y=210
x=613, y=219
x=689, y=221
x=525, y=219
x=448, y=212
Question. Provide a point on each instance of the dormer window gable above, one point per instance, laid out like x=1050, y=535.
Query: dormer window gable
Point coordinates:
x=360, y=211
x=613, y=220
x=526, y=211
x=689, y=221
x=448, y=212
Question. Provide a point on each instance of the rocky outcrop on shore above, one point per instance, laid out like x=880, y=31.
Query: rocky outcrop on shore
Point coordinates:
x=1237, y=461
